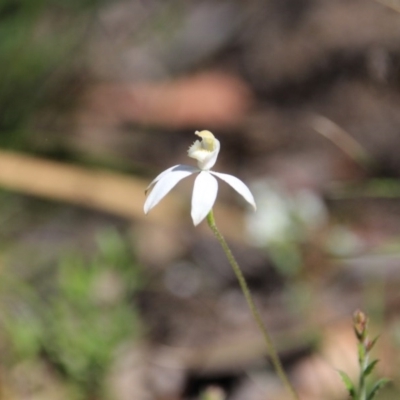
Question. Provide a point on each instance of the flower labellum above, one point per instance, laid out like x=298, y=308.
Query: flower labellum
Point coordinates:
x=205, y=151
x=205, y=189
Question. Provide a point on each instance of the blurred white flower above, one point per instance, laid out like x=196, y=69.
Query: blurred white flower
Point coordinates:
x=282, y=217
x=205, y=188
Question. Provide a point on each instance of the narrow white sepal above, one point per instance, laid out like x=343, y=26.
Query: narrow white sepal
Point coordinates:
x=165, y=182
x=167, y=171
x=238, y=185
x=158, y=177
x=204, y=194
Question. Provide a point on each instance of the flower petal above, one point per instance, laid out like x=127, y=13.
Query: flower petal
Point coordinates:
x=238, y=185
x=164, y=183
x=160, y=176
x=204, y=194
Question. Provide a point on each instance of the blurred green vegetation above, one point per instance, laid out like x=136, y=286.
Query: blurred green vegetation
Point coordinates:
x=39, y=42
x=77, y=317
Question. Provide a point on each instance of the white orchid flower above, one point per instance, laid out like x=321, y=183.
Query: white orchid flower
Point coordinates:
x=205, y=189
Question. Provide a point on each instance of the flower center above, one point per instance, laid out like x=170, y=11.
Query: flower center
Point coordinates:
x=205, y=151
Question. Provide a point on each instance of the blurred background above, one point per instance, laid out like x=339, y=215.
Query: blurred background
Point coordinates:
x=98, y=301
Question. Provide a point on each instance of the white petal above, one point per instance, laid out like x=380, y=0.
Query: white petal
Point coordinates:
x=204, y=194
x=238, y=185
x=164, y=183
x=155, y=180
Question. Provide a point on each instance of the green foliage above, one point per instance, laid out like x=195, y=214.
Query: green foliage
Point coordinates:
x=364, y=346
x=349, y=384
x=82, y=317
x=376, y=387
x=38, y=38
x=370, y=367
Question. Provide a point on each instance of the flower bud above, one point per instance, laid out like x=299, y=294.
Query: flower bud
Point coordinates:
x=360, y=322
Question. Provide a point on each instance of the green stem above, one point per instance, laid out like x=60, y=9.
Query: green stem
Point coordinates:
x=276, y=362
x=363, y=365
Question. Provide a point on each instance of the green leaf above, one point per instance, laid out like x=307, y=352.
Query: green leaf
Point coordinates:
x=348, y=383
x=377, y=386
x=370, y=367
x=372, y=343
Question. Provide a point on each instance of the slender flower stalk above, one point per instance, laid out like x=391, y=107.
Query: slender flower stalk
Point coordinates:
x=205, y=190
x=276, y=362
